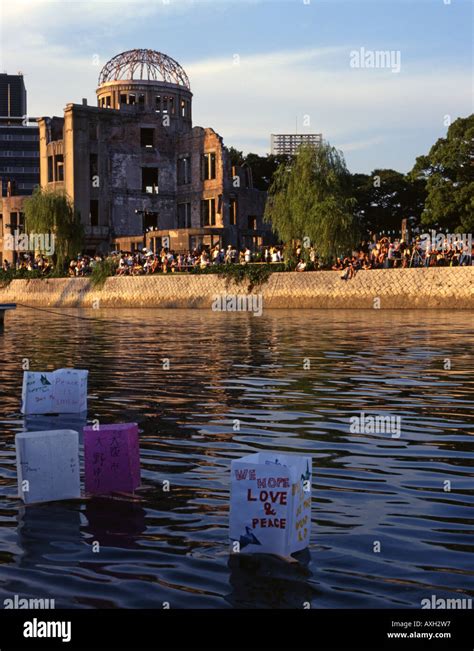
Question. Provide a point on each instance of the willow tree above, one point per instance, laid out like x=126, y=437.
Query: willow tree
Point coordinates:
x=52, y=212
x=310, y=201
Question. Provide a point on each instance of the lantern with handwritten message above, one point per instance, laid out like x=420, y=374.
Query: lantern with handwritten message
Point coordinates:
x=58, y=392
x=48, y=465
x=270, y=510
x=112, y=458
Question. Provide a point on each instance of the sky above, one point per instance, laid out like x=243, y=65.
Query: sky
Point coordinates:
x=258, y=67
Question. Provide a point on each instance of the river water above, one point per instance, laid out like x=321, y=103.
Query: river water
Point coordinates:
x=293, y=379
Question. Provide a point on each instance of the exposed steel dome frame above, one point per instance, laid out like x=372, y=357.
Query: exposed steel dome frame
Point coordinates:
x=143, y=65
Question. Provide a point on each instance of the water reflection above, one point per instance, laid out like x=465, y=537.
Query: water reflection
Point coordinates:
x=36, y=540
x=291, y=380
x=270, y=582
x=114, y=523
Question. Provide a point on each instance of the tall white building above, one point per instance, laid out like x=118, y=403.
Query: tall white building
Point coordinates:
x=288, y=143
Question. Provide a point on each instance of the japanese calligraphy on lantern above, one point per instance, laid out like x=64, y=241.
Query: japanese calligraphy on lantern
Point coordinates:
x=112, y=458
x=270, y=509
x=58, y=392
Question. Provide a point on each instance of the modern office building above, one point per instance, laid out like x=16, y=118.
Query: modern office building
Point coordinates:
x=12, y=96
x=139, y=172
x=19, y=157
x=284, y=144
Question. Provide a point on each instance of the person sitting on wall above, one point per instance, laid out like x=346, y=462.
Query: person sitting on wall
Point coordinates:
x=122, y=266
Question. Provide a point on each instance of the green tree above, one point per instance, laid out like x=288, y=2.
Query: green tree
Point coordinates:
x=236, y=156
x=311, y=198
x=263, y=167
x=52, y=211
x=449, y=173
x=385, y=197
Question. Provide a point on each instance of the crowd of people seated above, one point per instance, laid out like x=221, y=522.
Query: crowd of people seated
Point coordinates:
x=30, y=262
x=386, y=253
x=148, y=262
x=383, y=253
x=83, y=265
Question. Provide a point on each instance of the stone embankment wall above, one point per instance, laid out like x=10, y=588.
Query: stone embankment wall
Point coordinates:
x=435, y=288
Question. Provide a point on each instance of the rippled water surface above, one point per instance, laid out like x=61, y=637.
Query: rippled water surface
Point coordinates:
x=413, y=494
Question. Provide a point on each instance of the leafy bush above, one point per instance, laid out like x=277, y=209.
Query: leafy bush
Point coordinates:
x=102, y=270
x=18, y=274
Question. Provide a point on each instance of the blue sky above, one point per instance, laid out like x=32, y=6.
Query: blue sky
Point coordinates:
x=258, y=67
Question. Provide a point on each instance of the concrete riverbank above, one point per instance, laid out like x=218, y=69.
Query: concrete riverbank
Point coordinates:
x=435, y=288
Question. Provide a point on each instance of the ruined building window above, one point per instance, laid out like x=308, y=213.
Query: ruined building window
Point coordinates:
x=132, y=98
x=50, y=169
x=184, y=215
x=158, y=104
x=168, y=105
x=94, y=212
x=59, y=167
x=150, y=180
x=123, y=99
x=184, y=108
x=92, y=130
x=233, y=211
x=141, y=99
x=209, y=166
x=184, y=170
x=150, y=220
x=208, y=212
x=252, y=223
x=93, y=168
x=147, y=138
x=108, y=101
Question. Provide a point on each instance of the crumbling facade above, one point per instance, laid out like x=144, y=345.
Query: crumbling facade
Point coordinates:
x=140, y=174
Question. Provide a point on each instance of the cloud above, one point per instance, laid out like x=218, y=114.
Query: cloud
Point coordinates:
x=248, y=64
x=272, y=94
x=369, y=113
x=358, y=145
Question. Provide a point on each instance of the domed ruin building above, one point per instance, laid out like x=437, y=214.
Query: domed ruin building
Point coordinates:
x=138, y=171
